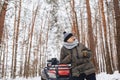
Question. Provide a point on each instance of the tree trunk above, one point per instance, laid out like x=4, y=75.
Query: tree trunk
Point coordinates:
x=3, y=59
x=110, y=38
x=13, y=45
x=117, y=18
x=40, y=52
x=2, y=18
x=30, y=44
x=114, y=35
x=7, y=56
x=107, y=56
x=26, y=55
x=22, y=55
x=75, y=29
x=16, y=41
x=90, y=33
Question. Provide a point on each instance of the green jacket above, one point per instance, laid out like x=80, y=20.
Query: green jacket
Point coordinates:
x=80, y=59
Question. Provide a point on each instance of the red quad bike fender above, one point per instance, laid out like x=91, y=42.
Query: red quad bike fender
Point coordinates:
x=61, y=70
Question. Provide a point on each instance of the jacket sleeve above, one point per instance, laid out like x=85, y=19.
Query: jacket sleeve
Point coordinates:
x=64, y=59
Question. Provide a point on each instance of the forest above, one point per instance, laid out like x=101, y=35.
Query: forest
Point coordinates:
x=31, y=32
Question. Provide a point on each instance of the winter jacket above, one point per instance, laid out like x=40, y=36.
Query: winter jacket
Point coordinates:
x=80, y=59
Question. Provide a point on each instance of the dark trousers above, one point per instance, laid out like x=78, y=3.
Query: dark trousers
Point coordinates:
x=87, y=77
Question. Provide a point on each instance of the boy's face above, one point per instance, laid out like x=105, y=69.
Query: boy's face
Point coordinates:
x=71, y=39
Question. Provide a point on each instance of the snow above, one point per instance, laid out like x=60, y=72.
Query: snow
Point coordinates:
x=104, y=76
x=101, y=76
x=35, y=78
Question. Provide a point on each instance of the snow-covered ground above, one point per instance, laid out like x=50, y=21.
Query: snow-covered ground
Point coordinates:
x=104, y=76
x=101, y=76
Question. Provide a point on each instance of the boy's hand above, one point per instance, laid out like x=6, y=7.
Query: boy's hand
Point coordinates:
x=84, y=53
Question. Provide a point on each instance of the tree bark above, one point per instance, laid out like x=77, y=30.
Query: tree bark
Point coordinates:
x=2, y=18
x=3, y=59
x=110, y=36
x=16, y=40
x=117, y=18
x=30, y=43
x=22, y=54
x=7, y=53
x=75, y=29
x=107, y=56
x=90, y=33
x=26, y=55
x=13, y=45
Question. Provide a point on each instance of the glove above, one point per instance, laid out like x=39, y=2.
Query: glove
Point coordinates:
x=85, y=52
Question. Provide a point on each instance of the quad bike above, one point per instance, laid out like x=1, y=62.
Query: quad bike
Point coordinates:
x=56, y=71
